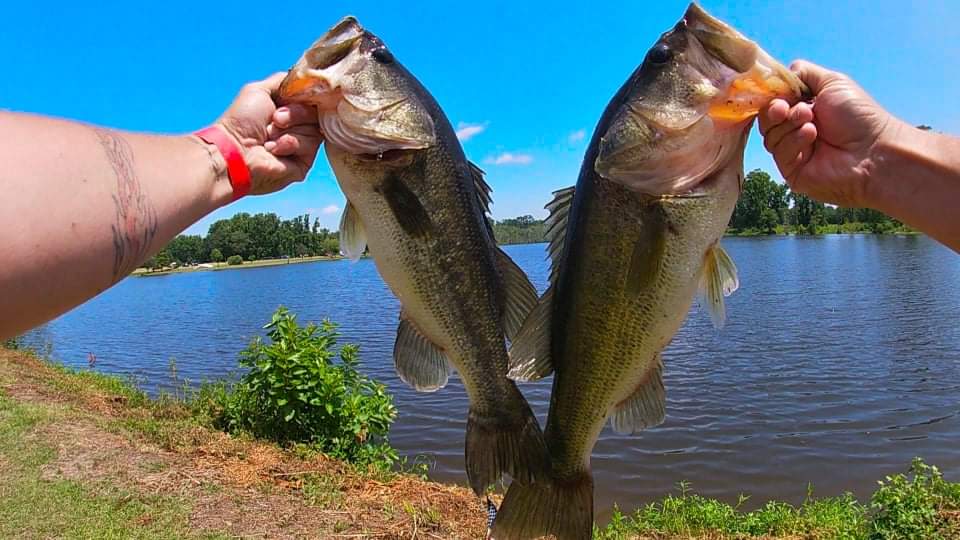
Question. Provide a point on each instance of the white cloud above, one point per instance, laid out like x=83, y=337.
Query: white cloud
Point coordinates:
x=508, y=158
x=466, y=131
x=576, y=136
x=329, y=209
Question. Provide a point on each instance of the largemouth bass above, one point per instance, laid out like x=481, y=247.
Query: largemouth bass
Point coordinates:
x=631, y=246
x=421, y=208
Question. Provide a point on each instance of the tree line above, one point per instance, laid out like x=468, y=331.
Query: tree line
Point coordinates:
x=768, y=207
x=764, y=207
x=246, y=237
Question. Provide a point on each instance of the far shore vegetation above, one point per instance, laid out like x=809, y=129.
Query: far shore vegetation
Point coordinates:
x=765, y=207
x=298, y=445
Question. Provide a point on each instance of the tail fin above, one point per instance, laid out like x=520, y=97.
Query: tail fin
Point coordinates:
x=562, y=508
x=499, y=443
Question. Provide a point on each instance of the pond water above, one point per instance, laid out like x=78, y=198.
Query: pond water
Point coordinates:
x=839, y=363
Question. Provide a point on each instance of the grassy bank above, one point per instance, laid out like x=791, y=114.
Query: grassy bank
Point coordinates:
x=85, y=455
x=918, y=505
x=224, y=266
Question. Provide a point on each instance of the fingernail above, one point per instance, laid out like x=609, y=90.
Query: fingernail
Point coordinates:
x=282, y=116
x=269, y=146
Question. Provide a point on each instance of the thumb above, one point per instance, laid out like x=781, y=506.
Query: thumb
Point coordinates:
x=813, y=75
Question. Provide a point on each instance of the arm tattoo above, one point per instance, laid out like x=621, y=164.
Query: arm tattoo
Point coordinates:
x=136, y=222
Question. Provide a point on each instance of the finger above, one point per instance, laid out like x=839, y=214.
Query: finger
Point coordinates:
x=274, y=132
x=773, y=115
x=798, y=116
x=285, y=145
x=795, y=149
x=291, y=144
x=815, y=76
x=295, y=114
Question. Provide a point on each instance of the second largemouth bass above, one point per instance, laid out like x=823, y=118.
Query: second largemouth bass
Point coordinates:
x=630, y=246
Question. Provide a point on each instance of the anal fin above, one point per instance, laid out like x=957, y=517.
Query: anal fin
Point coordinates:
x=418, y=361
x=645, y=407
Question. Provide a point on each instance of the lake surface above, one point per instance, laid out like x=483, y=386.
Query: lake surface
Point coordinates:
x=839, y=363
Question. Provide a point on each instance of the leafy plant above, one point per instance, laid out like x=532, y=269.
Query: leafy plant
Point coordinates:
x=913, y=506
x=234, y=260
x=297, y=391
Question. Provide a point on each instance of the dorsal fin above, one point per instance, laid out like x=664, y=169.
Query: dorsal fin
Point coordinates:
x=718, y=279
x=483, y=188
x=483, y=195
x=519, y=295
x=530, y=351
x=556, y=227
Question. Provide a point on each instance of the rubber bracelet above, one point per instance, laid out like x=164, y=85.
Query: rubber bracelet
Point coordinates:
x=237, y=169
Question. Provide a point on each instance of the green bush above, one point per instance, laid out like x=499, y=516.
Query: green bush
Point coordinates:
x=234, y=260
x=912, y=506
x=296, y=391
x=11, y=343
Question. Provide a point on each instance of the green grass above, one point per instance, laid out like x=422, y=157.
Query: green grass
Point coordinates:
x=36, y=507
x=916, y=505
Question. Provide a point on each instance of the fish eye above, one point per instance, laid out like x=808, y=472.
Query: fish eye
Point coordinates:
x=660, y=54
x=382, y=55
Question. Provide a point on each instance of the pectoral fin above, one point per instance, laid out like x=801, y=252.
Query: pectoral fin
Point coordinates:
x=646, y=407
x=418, y=361
x=717, y=280
x=353, y=237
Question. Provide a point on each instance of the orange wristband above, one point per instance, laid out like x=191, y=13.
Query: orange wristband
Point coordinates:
x=237, y=169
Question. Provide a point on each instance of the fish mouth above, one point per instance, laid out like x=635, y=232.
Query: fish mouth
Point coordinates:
x=752, y=78
x=315, y=76
x=362, y=104
x=675, y=135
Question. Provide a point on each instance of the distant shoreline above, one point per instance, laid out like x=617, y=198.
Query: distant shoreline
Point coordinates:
x=755, y=234
x=143, y=272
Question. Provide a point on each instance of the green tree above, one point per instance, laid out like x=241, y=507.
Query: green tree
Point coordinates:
x=768, y=221
x=519, y=230
x=807, y=213
x=216, y=255
x=759, y=193
x=187, y=249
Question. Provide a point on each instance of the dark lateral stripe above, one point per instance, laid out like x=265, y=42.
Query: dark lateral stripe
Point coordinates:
x=406, y=207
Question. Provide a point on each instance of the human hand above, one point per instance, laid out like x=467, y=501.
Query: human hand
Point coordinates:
x=278, y=144
x=826, y=150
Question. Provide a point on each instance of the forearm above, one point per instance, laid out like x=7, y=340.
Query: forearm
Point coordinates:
x=915, y=177
x=84, y=206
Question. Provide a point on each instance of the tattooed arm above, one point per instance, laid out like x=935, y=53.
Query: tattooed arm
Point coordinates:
x=82, y=207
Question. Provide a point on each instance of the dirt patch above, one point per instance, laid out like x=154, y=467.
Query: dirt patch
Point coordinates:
x=241, y=488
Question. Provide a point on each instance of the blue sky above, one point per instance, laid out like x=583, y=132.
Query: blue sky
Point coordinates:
x=531, y=80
